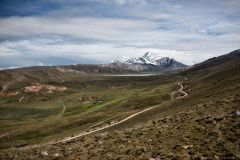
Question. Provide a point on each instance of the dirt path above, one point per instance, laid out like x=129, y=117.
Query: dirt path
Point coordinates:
x=180, y=90
x=133, y=115
x=7, y=134
x=64, y=108
x=86, y=133
x=110, y=125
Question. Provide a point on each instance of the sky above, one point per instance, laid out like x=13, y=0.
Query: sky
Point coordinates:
x=63, y=32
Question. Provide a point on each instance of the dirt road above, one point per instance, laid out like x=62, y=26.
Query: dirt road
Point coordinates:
x=86, y=133
x=181, y=89
x=133, y=115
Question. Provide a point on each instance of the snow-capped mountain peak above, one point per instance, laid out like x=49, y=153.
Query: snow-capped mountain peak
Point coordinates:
x=148, y=54
x=148, y=58
x=150, y=61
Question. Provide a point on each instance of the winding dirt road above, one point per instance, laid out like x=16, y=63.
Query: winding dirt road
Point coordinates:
x=181, y=89
x=86, y=133
x=133, y=115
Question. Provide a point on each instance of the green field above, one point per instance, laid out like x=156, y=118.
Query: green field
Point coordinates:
x=37, y=118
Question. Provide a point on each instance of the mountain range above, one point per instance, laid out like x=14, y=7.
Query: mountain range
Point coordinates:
x=149, y=62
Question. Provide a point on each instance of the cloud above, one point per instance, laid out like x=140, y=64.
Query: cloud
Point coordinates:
x=35, y=50
x=107, y=29
x=98, y=31
x=123, y=2
x=40, y=64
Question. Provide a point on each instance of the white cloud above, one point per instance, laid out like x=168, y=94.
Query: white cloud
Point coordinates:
x=105, y=52
x=40, y=64
x=189, y=31
x=104, y=29
x=124, y=2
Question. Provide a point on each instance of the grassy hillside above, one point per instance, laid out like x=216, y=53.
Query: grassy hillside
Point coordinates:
x=89, y=99
x=202, y=125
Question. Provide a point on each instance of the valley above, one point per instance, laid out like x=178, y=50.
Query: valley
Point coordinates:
x=182, y=114
x=86, y=101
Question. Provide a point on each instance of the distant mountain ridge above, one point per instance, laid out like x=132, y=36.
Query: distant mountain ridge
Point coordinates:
x=149, y=62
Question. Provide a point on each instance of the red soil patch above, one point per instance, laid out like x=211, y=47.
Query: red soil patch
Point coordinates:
x=35, y=87
x=61, y=89
x=12, y=94
x=90, y=98
x=9, y=94
x=50, y=88
x=32, y=88
x=38, y=86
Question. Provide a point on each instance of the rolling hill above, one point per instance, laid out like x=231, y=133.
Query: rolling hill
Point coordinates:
x=166, y=123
